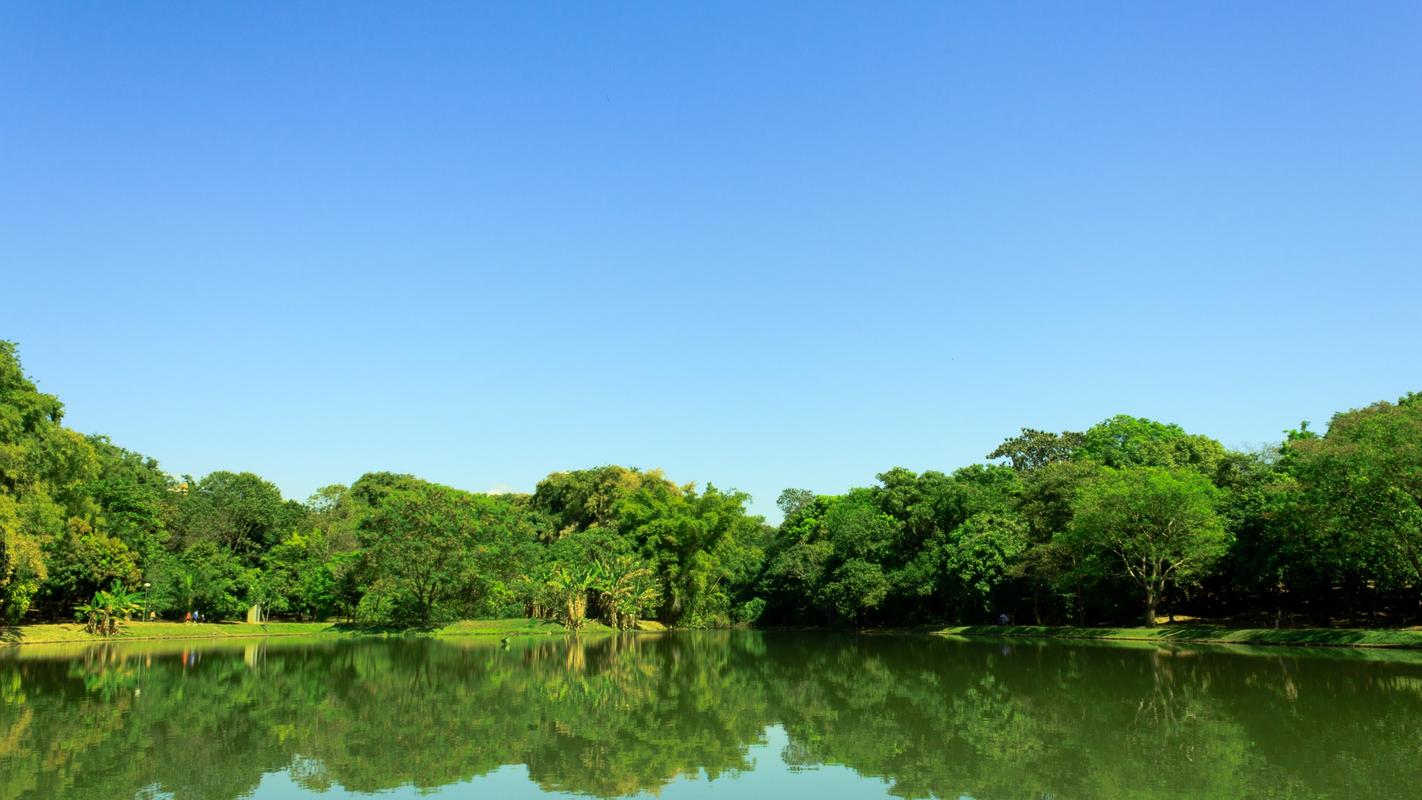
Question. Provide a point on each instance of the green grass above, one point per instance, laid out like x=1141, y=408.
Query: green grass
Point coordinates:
x=48, y=633
x=59, y=633
x=1309, y=637
x=517, y=626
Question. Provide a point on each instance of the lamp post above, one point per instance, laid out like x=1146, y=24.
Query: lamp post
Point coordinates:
x=146, y=586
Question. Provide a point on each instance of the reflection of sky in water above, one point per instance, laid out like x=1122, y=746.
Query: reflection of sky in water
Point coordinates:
x=771, y=778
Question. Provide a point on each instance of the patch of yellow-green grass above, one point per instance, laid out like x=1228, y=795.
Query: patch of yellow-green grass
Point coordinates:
x=61, y=633
x=516, y=626
x=1307, y=637
x=56, y=633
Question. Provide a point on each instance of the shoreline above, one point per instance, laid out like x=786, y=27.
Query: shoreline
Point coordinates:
x=1370, y=638
x=74, y=633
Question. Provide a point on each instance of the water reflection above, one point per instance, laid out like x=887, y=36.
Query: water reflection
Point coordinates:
x=722, y=713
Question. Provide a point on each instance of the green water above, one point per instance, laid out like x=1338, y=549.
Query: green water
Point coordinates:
x=723, y=714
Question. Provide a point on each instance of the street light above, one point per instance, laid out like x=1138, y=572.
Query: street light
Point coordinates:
x=146, y=586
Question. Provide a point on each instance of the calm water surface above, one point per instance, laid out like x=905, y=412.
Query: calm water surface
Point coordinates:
x=722, y=714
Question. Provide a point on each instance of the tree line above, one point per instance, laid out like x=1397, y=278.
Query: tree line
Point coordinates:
x=1128, y=520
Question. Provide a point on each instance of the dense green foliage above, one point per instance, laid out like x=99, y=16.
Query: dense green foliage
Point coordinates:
x=80, y=515
x=1124, y=520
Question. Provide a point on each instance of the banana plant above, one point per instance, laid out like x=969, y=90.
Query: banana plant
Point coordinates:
x=567, y=591
x=627, y=589
x=102, y=614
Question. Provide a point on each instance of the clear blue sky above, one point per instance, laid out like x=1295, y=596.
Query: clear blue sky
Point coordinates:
x=761, y=245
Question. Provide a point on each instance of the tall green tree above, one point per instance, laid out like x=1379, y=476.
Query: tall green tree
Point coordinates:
x=81, y=561
x=1360, y=485
x=1033, y=449
x=1124, y=441
x=977, y=559
x=418, y=541
x=434, y=552
x=791, y=501
x=1049, y=583
x=43, y=467
x=205, y=577
x=589, y=498
x=704, y=546
x=1158, y=527
x=22, y=567
x=136, y=499
x=240, y=511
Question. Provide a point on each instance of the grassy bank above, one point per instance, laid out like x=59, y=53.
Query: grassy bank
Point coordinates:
x=1305, y=637
x=59, y=633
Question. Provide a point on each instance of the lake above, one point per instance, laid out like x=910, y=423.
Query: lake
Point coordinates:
x=729, y=714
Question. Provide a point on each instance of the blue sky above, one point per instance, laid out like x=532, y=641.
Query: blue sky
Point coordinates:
x=761, y=245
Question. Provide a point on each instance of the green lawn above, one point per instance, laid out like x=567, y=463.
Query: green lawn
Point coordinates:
x=1315, y=637
x=517, y=626
x=53, y=633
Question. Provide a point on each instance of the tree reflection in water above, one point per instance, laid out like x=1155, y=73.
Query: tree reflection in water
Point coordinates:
x=618, y=715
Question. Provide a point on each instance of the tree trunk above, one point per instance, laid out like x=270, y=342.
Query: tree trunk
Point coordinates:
x=1152, y=600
